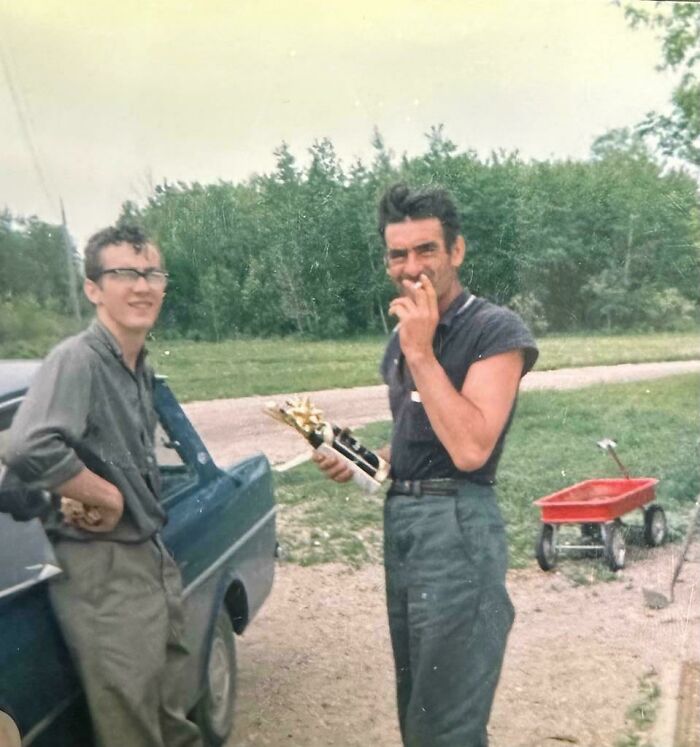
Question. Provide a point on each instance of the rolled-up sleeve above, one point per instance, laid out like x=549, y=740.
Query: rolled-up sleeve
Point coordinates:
x=51, y=420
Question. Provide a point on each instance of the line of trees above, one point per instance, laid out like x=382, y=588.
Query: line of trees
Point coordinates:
x=35, y=292
x=610, y=243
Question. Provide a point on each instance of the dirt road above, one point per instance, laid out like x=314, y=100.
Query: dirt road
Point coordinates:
x=315, y=668
x=232, y=428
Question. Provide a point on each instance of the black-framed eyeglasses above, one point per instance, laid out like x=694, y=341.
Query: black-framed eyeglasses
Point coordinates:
x=130, y=275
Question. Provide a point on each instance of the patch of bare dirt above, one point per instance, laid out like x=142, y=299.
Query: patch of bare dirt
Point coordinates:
x=315, y=667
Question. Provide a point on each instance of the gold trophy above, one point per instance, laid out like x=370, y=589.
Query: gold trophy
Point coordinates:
x=369, y=469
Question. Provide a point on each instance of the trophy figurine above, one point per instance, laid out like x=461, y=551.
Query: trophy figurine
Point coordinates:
x=369, y=469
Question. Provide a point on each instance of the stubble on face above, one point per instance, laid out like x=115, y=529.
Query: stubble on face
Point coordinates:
x=438, y=267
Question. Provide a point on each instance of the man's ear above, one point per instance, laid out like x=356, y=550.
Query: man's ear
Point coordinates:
x=459, y=250
x=93, y=291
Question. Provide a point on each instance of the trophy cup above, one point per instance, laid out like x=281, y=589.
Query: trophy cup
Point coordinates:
x=369, y=469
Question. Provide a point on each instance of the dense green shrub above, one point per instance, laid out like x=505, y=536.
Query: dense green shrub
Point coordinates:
x=29, y=330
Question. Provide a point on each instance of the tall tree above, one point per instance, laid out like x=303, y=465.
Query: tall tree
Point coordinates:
x=678, y=25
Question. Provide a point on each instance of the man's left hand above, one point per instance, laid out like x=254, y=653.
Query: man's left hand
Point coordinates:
x=418, y=318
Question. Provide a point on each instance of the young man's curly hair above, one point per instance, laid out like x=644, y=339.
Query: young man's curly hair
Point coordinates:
x=122, y=233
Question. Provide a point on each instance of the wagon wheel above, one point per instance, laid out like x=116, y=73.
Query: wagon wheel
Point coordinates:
x=614, y=546
x=655, y=527
x=546, y=547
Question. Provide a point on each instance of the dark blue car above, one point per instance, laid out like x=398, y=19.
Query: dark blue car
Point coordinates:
x=221, y=531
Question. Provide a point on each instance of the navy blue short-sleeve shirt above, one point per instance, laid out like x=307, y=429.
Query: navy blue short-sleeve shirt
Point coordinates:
x=470, y=330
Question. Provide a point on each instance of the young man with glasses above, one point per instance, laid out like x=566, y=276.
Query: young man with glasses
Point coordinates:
x=86, y=432
x=452, y=365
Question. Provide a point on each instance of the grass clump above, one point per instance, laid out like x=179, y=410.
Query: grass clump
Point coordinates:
x=641, y=715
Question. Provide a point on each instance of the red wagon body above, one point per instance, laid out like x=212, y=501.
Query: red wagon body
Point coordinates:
x=597, y=506
x=596, y=501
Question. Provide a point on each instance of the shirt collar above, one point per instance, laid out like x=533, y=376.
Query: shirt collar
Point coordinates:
x=101, y=333
x=454, y=308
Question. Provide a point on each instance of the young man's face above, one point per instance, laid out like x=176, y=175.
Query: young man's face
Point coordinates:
x=122, y=303
x=415, y=247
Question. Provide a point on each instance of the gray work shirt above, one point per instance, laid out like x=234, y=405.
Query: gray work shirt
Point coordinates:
x=86, y=408
x=470, y=330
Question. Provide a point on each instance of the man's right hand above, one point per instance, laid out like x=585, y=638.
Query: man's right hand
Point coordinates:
x=91, y=502
x=333, y=466
x=90, y=518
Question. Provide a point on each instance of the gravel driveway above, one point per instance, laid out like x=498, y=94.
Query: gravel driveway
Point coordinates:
x=233, y=428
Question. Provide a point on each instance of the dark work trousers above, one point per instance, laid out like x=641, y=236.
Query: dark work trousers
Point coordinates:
x=445, y=560
x=120, y=610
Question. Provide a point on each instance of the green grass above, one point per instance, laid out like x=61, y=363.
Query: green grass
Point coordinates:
x=561, y=351
x=238, y=368
x=552, y=445
x=642, y=714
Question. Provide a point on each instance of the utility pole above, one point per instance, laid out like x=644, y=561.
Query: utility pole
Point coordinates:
x=70, y=266
x=628, y=253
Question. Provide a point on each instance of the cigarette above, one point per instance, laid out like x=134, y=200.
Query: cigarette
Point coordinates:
x=418, y=284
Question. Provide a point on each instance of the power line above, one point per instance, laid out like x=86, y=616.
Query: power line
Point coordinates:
x=22, y=111
x=25, y=125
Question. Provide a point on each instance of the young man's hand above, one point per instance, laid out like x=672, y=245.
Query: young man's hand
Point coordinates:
x=90, y=502
x=333, y=466
x=90, y=518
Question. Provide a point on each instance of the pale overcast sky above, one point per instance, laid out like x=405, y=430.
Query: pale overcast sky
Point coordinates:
x=116, y=95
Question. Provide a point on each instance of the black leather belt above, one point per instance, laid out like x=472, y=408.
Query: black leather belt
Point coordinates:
x=417, y=488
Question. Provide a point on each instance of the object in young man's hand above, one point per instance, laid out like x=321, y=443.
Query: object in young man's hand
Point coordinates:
x=75, y=511
x=369, y=469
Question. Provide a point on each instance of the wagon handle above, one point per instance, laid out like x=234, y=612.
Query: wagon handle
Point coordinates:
x=607, y=444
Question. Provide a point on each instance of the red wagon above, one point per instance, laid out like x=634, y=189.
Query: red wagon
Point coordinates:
x=597, y=506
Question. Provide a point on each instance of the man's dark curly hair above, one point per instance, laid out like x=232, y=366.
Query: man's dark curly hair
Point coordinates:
x=122, y=233
x=400, y=202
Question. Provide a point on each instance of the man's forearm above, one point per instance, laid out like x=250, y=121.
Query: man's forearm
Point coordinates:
x=469, y=422
x=458, y=423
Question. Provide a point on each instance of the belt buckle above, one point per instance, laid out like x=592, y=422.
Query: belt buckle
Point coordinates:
x=416, y=488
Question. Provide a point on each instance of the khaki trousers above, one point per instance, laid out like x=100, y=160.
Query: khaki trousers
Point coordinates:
x=119, y=607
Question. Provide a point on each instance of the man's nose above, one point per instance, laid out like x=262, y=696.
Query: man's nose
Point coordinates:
x=413, y=266
x=141, y=284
